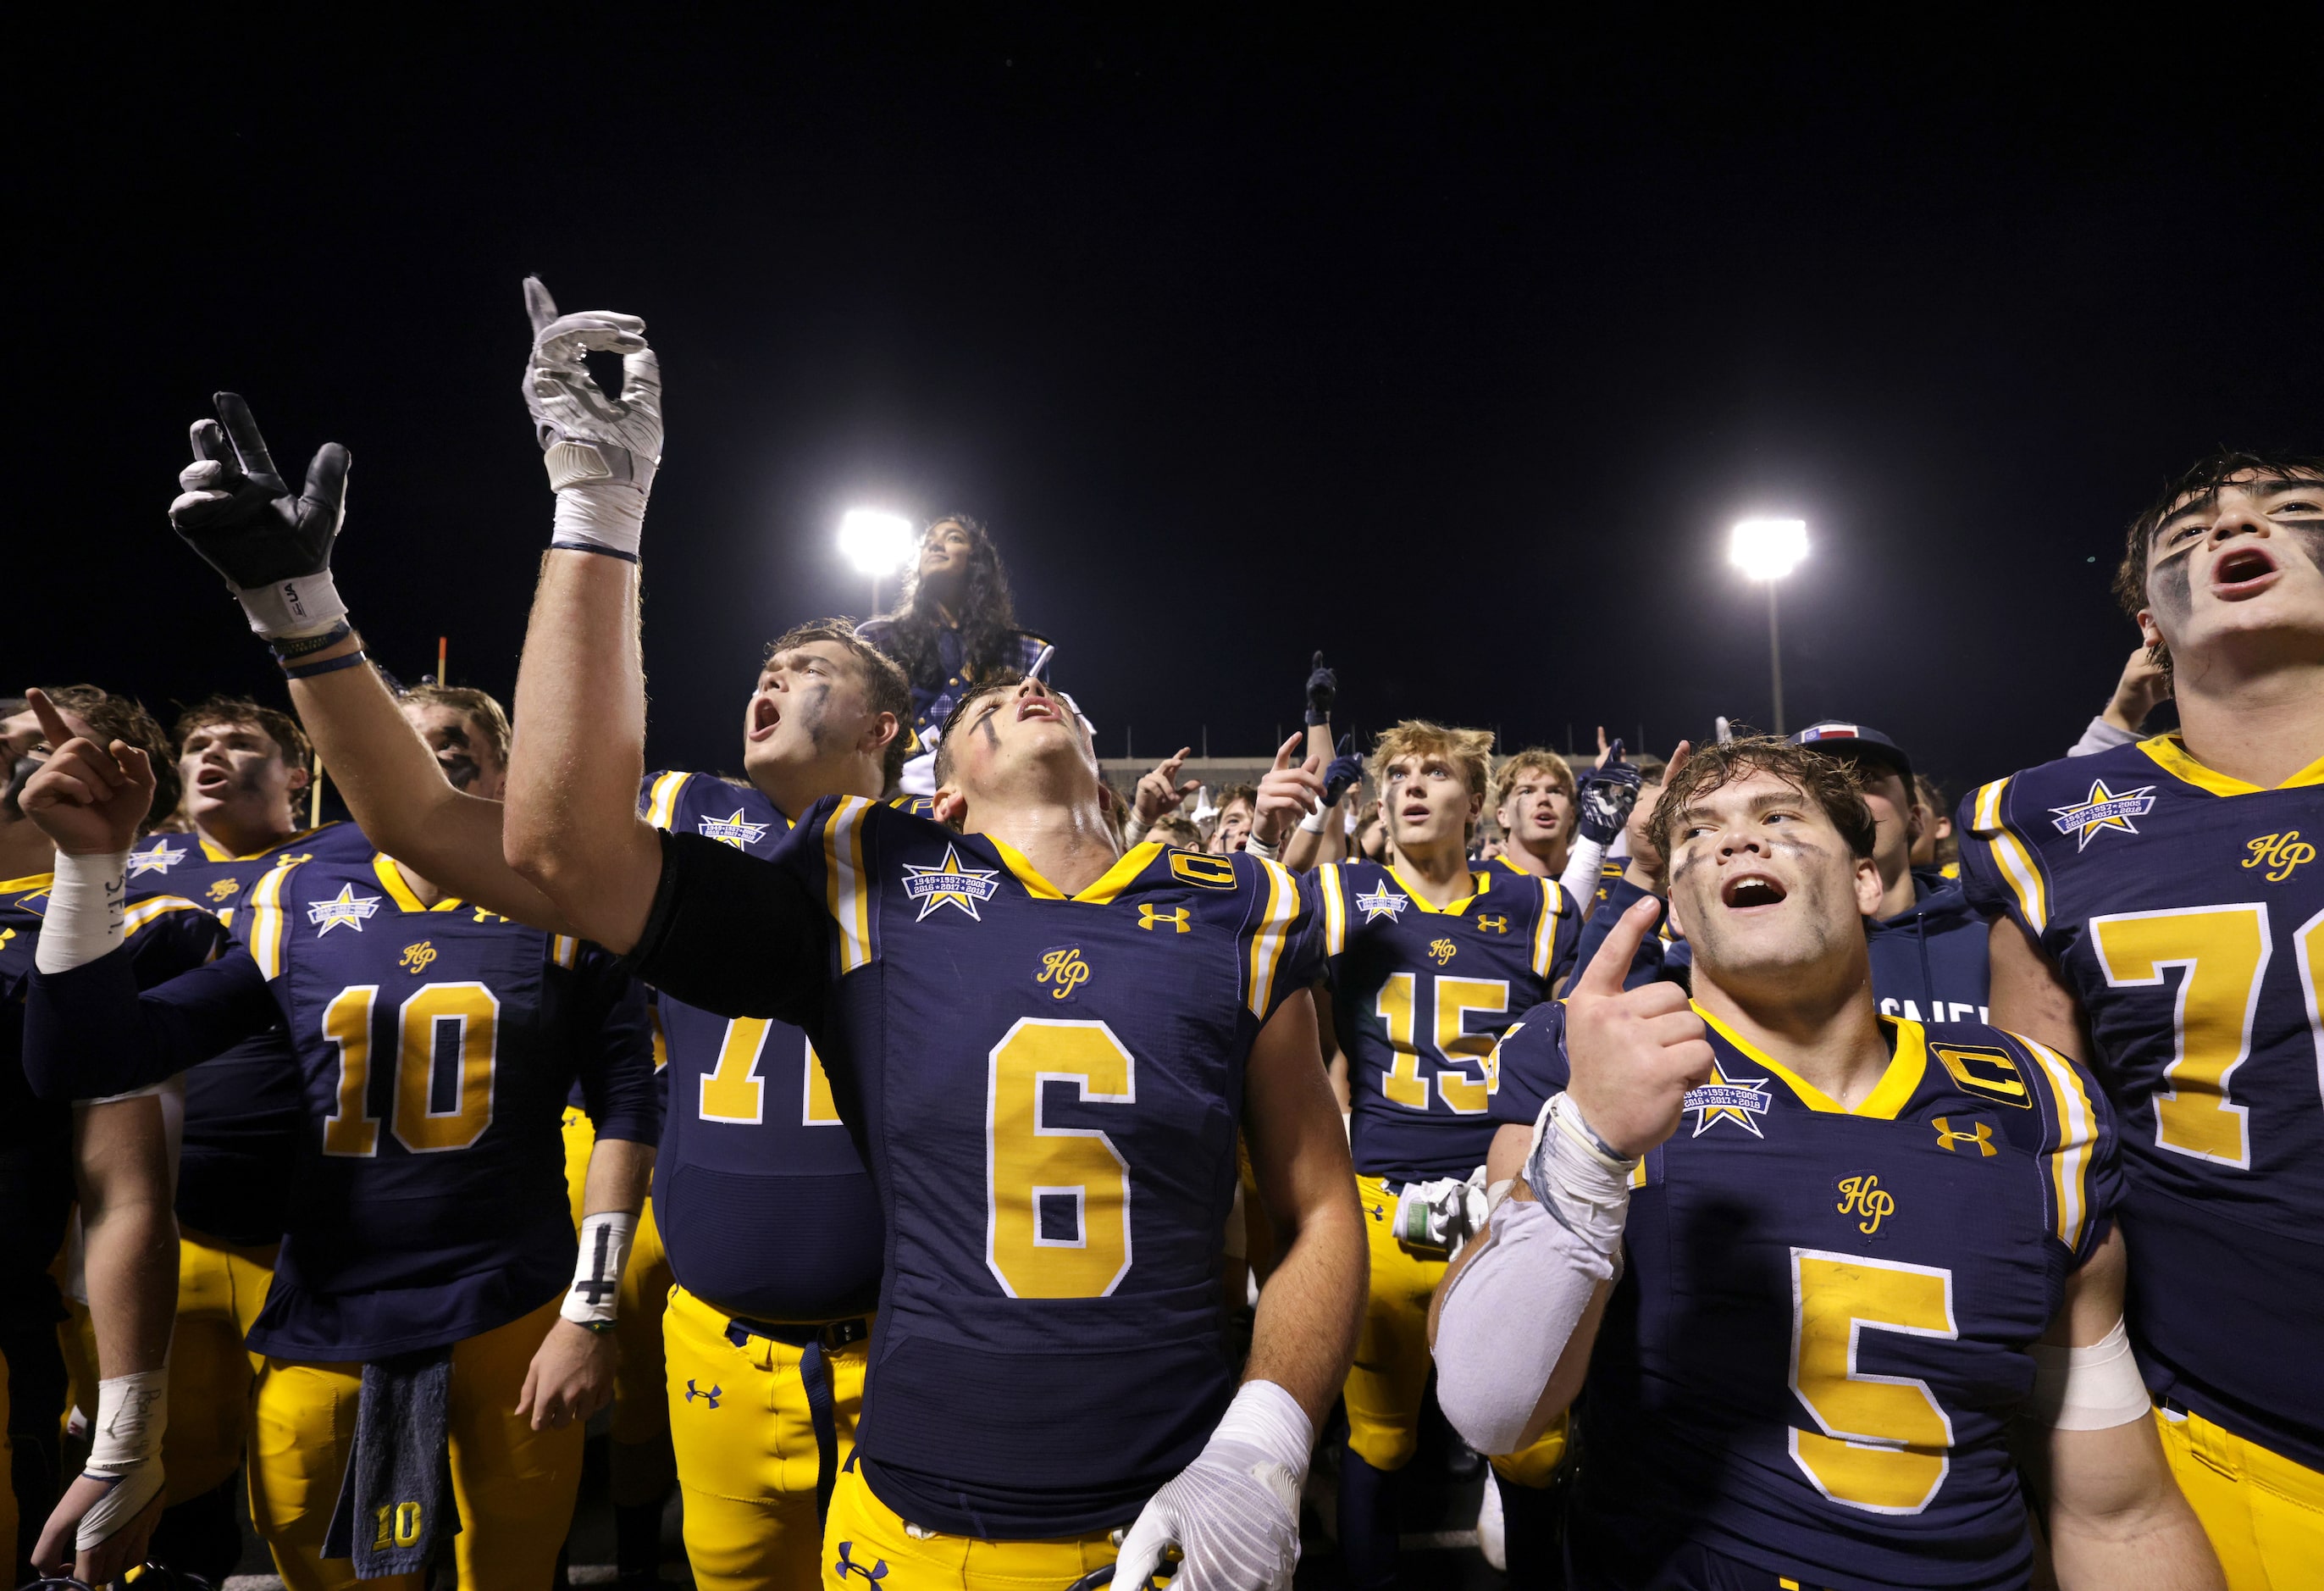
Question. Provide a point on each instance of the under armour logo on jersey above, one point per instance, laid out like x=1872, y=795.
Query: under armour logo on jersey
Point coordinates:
x=1863, y=1196
x=734, y=831
x=1382, y=903
x=416, y=958
x=1180, y=919
x=5, y=935
x=950, y=884
x=710, y=1397
x=1728, y=1099
x=847, y=1566
x=2280, y=854
x=1065, y=969
x=1441, y=950
x=346, y=907
x=224, y=888
x=161, y=858
x=2104, y=811
x=1981, y=1136
x=1492, y=925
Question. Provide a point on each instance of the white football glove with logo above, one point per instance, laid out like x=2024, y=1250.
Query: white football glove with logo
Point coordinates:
x=601, y=452
x=1234, y=1513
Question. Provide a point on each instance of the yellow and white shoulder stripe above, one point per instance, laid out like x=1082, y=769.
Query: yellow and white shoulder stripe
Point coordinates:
x=1544, y=927
x=2078, y=1136
x=2012, y=855
x=661, y=801
x=1335, y=908
x=847, y=891
x=266, y=918
x=1268, y=941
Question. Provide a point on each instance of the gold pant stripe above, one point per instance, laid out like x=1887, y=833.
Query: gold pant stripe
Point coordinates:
x=2264, y=1512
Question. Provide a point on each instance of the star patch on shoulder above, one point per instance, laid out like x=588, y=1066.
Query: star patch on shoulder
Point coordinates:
x=1383, y=903
x=2104, y=809
x=734, y=831
x=346, y=907
x=159, y=859
x=950, y=884
x=1730, y=1099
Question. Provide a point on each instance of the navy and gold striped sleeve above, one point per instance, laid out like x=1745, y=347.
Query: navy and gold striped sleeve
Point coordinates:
x=2002, y=871
x=2082, y=1173
x=1282, y=940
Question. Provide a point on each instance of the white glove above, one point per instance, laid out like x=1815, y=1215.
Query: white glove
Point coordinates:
x=1443, y=1213
x=1234, y=1511
x=601, y=452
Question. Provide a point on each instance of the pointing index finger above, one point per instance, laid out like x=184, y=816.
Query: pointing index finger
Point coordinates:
x=1604, y=975
x=1283, y=753
x=53, y=727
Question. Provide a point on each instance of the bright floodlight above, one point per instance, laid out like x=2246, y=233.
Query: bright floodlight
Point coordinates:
x=1768, y=549
x=875, y=542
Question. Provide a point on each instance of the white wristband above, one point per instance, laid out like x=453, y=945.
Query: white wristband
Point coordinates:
x=1260, y=848
x=307, y=605
x=1580, y=875
x=2096, y=1388
x=606, y=515
x=1314, y=822
x=1578, y=1177
x=595, y=1292
x=86, y=914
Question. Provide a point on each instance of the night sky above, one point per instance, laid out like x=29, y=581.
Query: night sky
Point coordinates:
x=1452, y=351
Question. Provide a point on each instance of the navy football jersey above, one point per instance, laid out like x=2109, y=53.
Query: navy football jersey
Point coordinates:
x=436, y=1046
x=2186, y=912
x=1823, y=1324
x=1420, y=995
x=165, y=936
x=1048, y=1090
x=244, y=1108
x=765, y=1206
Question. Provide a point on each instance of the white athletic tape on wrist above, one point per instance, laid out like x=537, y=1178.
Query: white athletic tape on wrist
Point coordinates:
x=132, y=1412
x=1582, y=864
x=605, y=514
x=1578, y=1177
x=1314, y=822
x=2094, y=1388
x=1260, y=848
x=595, y=1292
x=307, y=605
x=86, y=914
x=132, y=1490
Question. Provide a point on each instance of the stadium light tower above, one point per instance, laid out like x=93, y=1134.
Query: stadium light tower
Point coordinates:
x=1766, y=549
x=878, y=543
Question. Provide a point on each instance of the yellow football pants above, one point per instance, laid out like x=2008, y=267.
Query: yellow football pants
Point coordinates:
x=2264, y=1512
x=866, y=1540
x=747, y=1461
x=1390, y=1376
x=514, y=1485
x=221, y=1287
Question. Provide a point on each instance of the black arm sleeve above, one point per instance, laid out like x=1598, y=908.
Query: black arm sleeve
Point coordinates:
x=88, y=1033
x=734, y=935
x=613, y=1053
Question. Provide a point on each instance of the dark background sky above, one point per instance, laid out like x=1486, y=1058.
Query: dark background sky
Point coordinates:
x=1451, y=347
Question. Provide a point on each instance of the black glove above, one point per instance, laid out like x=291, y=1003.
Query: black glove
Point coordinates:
x=1344, y=771
x=274, y=550
x=1323, y=686
x=1606, y=795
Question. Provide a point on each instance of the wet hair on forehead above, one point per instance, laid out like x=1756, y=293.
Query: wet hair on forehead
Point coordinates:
x=2196, y=487
x=1828, y=782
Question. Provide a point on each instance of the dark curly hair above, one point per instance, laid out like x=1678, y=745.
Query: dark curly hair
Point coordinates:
x=2196, y=486
x=1826, y=780
x=986, y=612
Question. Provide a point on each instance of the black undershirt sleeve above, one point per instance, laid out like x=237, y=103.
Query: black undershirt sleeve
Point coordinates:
x=734, y=935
